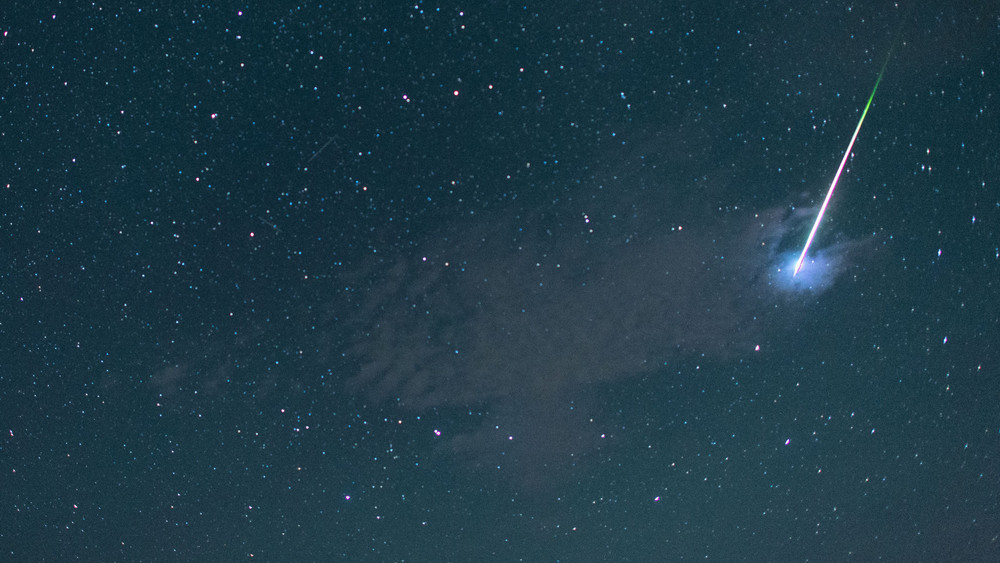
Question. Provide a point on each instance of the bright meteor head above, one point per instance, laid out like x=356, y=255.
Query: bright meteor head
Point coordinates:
x=814, y=275
x=798, y=266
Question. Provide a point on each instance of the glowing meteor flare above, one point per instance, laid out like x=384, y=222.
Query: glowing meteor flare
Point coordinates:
x=836, y=177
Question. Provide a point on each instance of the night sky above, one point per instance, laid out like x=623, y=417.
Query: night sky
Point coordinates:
x=433, y=282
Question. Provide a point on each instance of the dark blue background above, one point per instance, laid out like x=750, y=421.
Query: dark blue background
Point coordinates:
x=430, y=282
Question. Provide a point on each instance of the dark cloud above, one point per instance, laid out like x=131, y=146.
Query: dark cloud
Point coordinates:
x=531, y=314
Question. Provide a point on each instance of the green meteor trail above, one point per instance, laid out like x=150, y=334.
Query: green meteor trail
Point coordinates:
x=840, y=169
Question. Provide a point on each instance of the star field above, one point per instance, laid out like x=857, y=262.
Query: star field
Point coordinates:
x=427, y=282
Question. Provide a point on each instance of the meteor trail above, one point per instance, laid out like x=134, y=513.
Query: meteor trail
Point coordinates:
x=840, y=169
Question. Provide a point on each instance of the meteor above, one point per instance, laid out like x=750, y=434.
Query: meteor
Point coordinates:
x=840, y=169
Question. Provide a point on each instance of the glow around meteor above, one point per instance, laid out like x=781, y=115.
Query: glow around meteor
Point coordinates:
x=836, y=177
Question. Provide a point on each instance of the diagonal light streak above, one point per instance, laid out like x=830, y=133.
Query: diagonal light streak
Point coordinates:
x=836, y=177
